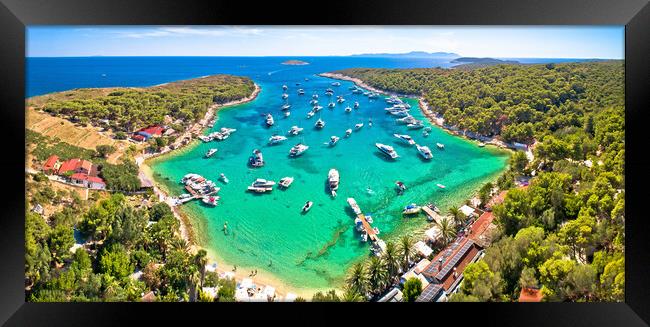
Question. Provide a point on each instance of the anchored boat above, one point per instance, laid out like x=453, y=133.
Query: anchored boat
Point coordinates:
x=320, y=123
x=411, y=209
x=405, y=138
x=424, y=151
x=333, y=180
x=333, y=140
x=276, y=139
x=387, y=150
x=210, y=153
x=307, y=206
x=285, y=182
x=297, y=150
x=295, y=130
x=256, y=160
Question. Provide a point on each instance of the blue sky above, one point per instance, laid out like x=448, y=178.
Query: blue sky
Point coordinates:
x=605, y=42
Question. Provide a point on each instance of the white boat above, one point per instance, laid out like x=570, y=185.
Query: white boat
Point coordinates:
x=331, y=105
x=223, y=178
x=425, y=134
x=364, y=237
x=387, y=150
x=333, y=179
x=260, y=189
x=314, y=96
x=373, y=95
x=210, y=153
x=333, y=140
x=313, y=102
x=310, y=114
x=406, y=120
x=269, y=120
x=340, y=100
x=348, y=132
x=276, y=139
x=256, y=160
x=260, y=182
x=210, y=200
x=285, y=181
x=424, y=151
x=399, y=113
x=411, y=209
x=298, y=149
x=295, y=130
x=481, y=144
x=205, y=138
x=440, y=146
x=417, y=125
x=400, y=186
x=369, y=122
x=358, y=126
x=287, y=114
x=286, y=106
x=307, y=206
x=317, y=108
x=336, y=84
x=405, y=138
x=356, y=105
x=285, y=96
x=301, y=92
x=319, y=123
x=348, y=109
x=440, y=185
x=285, y=87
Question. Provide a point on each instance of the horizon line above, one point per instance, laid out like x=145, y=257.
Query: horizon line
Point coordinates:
x=308, y=56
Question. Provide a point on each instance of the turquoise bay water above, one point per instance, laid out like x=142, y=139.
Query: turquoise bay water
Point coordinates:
x=316, y=249
x=309, y=251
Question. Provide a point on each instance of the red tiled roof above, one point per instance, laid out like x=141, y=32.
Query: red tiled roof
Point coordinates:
x=85, y=164
x=85, y=177
x=138, y=137
x=153, y=130
x=50, y=162
x=498, y=199
x=95, y=179
x=69, y=165
x=530, y=295
x=480, y=225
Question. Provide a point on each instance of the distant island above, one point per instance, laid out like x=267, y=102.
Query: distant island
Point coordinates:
x=412, y=54
x=475, y=60
x=295, y=62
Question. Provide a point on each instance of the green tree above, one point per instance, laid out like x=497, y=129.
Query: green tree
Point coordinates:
x=115, y=261
x=105, y=150
x=60, y=241
x=329, y=296
x=357, y=278
x=407, y=250
x=412, y=289
x=377, y=275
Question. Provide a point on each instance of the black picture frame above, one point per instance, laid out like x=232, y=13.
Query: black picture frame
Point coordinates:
x=16, y=14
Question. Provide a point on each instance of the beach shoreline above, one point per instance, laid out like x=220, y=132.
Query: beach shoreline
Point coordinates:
x=186, y=229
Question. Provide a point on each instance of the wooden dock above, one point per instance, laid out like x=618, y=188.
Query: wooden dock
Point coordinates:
x=434, y=215
x=364, y=222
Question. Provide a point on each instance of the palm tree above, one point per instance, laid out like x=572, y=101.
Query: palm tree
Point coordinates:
x=356, y=279
x=193, y=280
x=447, y=230
x=377, y=275
x=350, y=295
x=179, y=244
x=407, y=250
x=200, y=260
x=391, y=258
x=459, y=216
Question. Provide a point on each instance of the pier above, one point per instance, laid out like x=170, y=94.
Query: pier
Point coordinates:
x=434, y=215
x=366, y=225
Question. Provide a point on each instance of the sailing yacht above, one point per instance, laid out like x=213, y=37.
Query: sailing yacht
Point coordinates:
x=310, y=114
x=320, y=123
x=210, y=153
x=348, y=109
x=348, y=132
x=295, y=130
x=301, y=92
x=333, y=140
x=285, y=96
x=269, y=120
x=387, y=150
x=424, y=151
x=223, y=178
x=440, y=146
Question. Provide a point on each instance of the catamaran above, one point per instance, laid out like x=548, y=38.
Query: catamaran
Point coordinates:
x=298, y=149
x=333, y=140
x=285, y=182
x=320, y=123
x=295, y=130
x=277, y=139
x=223, y=178
x=310, y=114
x=424, y=151
x=210, y=200
x=269, y=120
x=340, y=99
x=301, y=92
x=348, y=109
x=348, y=132
x=210, y=153
x=405, y=138
x=333, y=179
x=314, y=96
x=387, y=150
x=331, y=105
x=256, y=160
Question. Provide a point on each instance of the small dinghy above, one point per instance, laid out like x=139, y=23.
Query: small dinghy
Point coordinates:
x=307, y=206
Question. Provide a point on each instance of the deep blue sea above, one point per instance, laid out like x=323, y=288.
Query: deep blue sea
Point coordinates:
x=46, y=75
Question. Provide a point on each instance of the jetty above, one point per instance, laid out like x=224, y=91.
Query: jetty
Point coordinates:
x=366, y=225
x=434, y=215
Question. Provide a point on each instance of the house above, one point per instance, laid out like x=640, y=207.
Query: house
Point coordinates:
x=51, y=164
x=76, y=165
x=85, y=180
x=149, y=132
x=530, y=295
x=447, y=267
x=138, y=138
x=433, y=234
x=432, y=293
x=423, y=249
x=467, y=210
